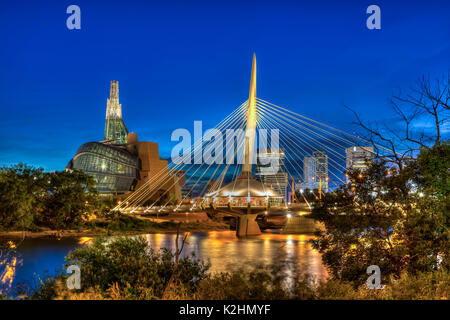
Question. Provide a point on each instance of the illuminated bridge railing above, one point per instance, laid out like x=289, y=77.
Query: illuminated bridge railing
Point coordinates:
x=244, y=202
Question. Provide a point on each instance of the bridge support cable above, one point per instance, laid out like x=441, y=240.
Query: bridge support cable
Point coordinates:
x=290, y=152
x=151, y=192
x=296, y=115
x=292, y=146
x=143, y=191
x=242, y=122
x=227, y=125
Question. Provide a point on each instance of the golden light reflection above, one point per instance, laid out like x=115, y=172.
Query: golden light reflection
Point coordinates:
x=226, y=252
x=158, y=238
x=8, y=275
x=11, y=244
x=289, y=240
x=212, y=234
x=9, y=269
x=85, y=240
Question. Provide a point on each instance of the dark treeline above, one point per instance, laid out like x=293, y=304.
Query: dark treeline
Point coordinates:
x=34, y=200
x=31, y=199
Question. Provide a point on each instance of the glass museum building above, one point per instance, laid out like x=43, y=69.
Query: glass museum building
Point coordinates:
x=115, y=169
x=120, y=163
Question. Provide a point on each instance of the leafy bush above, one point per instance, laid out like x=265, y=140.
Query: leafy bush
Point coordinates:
x=255, y=284
x=128, y=267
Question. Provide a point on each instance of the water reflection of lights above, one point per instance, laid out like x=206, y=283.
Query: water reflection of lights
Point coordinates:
x=8, y=266
x=212, y=234
x=157, y=239
x=85, y=240
x=225, y=252
x=11, y=245
x=289, y=240
x=7, y=277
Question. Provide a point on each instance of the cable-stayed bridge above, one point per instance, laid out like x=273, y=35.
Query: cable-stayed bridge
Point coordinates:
x=232, y=178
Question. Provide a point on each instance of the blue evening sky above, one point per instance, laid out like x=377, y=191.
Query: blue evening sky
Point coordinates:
x=180, y=61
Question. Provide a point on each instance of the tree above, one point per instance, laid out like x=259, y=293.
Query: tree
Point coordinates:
x=20, y=186
x=427, y=102
x=433, y=170
x=69, y=197
x=382, y=219
x=31, y=198
x=394, y=214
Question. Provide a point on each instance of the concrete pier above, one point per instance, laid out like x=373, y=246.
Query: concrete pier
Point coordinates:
x=247, y=226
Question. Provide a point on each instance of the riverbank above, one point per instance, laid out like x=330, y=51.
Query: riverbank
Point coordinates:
x=215, y=266
x=128, y=225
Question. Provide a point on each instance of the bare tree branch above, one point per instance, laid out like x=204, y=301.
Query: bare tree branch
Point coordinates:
x=426, y=100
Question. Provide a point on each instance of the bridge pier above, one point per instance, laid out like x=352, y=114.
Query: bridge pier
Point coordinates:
x=247, y=226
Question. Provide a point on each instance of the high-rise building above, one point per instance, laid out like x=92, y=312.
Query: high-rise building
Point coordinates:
x=270, y=175
x=308, y=173
x=115, y=129
x=321, y=170
x=358, y=157
x=315, y=171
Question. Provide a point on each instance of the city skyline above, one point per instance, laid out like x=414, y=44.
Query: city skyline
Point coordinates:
x=55, y=81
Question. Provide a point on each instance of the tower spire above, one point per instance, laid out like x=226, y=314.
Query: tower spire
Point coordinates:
x=115, y=129
x=113, y=107
x=250, y=130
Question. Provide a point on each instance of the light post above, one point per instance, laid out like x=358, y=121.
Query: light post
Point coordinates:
x=320, y=186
